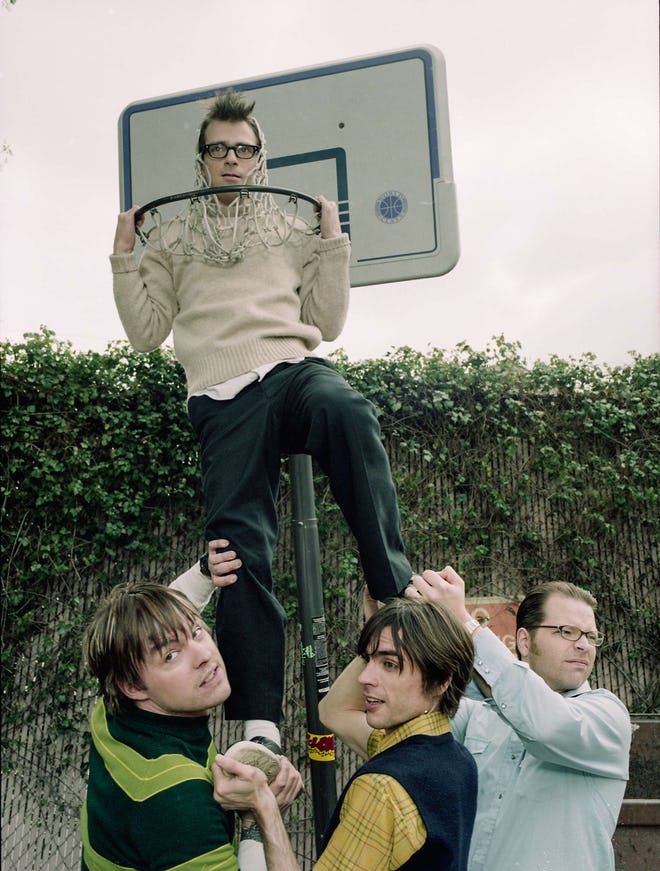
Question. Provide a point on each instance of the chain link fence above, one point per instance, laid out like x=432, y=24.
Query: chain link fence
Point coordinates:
x=41, y=798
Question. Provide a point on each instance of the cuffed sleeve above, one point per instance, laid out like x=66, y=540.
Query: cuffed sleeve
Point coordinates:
x=197, y=587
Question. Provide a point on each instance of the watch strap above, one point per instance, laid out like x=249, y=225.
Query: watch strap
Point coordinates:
x=204, y=565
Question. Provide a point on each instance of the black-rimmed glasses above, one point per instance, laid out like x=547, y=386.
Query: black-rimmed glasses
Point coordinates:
x=573, y=633
x=218, y=150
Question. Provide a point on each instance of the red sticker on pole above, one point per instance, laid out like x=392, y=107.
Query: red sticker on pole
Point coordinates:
x=321, y=748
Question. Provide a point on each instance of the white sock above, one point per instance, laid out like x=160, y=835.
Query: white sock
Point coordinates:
x=262, y=728
x=251, y=855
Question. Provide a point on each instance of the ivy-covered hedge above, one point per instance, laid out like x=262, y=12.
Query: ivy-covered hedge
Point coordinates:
x=512, y=472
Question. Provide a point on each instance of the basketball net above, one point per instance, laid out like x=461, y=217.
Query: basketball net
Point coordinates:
x=220, y=233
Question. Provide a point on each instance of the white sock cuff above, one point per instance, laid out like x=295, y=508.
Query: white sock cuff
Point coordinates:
x=262, y=728
x=251, y=856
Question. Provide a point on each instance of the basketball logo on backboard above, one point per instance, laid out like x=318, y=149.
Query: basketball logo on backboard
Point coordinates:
x=391, y=207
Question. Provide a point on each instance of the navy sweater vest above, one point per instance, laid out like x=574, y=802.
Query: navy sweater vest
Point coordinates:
x=440, y=776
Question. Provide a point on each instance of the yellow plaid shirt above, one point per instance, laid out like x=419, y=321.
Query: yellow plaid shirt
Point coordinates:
x=380, y=827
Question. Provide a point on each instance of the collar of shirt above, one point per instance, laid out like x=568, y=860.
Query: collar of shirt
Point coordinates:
x=426, y=724
x=583, y=688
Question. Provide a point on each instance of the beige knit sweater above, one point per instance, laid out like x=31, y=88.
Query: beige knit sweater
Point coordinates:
x=273, y=304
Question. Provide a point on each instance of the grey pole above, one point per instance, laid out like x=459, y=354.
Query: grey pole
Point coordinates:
x=320, y=743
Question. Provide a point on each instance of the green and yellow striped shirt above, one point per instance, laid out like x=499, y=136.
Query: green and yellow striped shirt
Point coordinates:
x=149, y=801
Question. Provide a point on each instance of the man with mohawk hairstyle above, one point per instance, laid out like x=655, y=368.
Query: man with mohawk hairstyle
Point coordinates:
x=249, y=294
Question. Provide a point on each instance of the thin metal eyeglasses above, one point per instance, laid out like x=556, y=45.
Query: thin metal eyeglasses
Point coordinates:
x=573, y=633
x=218, y=150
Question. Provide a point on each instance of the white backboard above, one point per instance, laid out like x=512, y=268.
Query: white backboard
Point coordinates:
x=370, y=132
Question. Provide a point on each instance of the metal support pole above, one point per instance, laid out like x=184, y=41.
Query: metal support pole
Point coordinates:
x=320, y=743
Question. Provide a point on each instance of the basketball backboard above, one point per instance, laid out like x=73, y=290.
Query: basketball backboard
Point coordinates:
x=370, y=132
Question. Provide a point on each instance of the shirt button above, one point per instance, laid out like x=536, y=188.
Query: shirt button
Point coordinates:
x=503, y=706
x=513, y=755
x=480, y=662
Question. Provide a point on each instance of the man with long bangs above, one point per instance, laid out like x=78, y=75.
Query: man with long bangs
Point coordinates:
x=412, y=804
x=552, y=752
x=149, y=802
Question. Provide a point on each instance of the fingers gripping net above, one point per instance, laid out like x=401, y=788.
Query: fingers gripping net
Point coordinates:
x=220, y=233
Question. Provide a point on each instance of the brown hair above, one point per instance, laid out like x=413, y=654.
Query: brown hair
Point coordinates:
x=132, y=619
x=531, y=611
x=230, y=106
x=429, y=637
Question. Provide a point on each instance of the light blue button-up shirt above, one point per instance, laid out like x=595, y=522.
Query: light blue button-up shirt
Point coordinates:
x=552, y=768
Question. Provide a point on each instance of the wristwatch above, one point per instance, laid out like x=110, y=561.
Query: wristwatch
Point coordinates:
x=472, y=625
x=204, y=565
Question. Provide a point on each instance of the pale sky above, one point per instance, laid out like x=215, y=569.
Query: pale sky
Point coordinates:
x=554, y=128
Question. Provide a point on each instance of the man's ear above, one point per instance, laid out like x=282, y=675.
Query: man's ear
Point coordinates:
x=133, y=692
x=440, y=689
x=444, y=687
x=523, y=641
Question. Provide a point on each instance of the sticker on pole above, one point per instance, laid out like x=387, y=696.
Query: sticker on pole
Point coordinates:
x=321, y=748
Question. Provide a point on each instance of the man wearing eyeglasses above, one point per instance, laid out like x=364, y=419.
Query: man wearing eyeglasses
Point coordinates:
x=244, y=330
x=551, y=752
